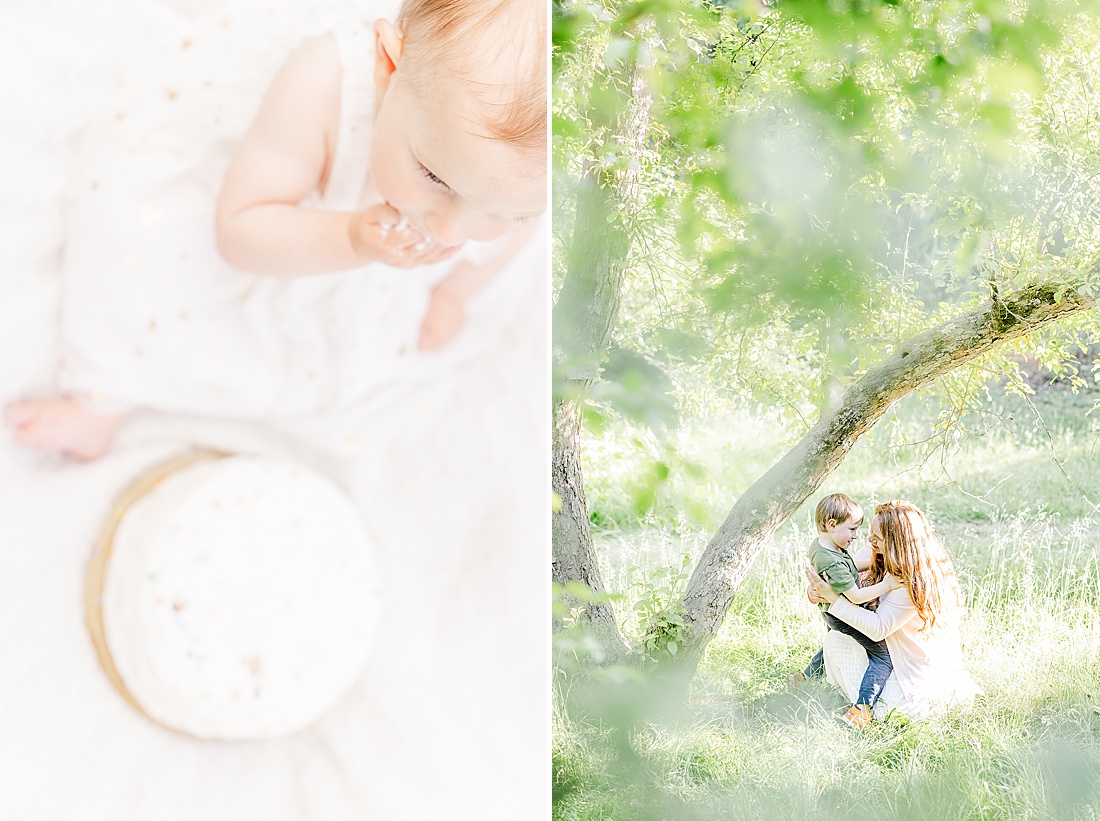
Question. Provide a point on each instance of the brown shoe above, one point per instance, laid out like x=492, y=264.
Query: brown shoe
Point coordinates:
x=858, y=716
x=796, y=680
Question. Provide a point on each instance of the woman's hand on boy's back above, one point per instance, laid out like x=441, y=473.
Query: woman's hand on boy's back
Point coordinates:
x=819, y=587
x=379, y=234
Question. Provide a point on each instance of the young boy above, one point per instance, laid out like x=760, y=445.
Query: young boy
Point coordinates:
x=373, y=149
x=838, y=518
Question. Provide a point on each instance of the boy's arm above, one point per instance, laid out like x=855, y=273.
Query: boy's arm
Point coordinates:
x=859, y=595
x=863, y=559
x=286, y=155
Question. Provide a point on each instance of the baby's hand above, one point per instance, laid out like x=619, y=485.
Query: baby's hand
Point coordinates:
x=894, y=584
x=380, y=234
x=445, y=318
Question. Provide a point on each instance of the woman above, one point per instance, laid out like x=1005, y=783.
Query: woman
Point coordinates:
x=919, y=620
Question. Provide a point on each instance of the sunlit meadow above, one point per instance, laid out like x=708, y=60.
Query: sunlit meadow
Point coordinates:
x=1014, y=503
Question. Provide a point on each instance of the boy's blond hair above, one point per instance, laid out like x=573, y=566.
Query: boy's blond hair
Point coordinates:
x=838, y=507
x=461, y=37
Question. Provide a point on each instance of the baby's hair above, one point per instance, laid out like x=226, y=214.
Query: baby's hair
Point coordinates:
x=840, y=507
x=458, y=37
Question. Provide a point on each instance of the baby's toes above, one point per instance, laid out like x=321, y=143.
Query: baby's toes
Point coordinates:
x=32, y=432
x=20, y=414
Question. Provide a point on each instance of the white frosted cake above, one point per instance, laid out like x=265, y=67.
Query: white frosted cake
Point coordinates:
x=239, y=597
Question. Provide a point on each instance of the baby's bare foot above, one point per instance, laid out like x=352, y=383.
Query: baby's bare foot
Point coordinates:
x=62, y=425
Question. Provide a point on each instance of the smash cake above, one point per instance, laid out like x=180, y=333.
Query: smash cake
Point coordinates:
x=232, y=597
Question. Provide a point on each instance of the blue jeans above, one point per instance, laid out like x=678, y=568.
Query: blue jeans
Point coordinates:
x=879, y=664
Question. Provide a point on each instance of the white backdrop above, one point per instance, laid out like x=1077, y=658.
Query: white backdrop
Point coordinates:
x=448, y=469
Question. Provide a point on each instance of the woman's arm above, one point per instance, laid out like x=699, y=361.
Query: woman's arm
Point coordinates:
x=894, y=610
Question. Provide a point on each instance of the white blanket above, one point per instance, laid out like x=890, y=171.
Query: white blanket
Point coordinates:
x=447, y=468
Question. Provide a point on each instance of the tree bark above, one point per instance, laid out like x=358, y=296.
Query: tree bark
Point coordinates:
x=584, y=318
x=574, y=556
x=782, y=490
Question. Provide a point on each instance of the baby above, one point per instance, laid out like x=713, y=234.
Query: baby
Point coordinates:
x=355, y=162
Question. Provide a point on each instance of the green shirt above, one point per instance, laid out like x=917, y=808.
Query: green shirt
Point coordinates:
x=837, y=567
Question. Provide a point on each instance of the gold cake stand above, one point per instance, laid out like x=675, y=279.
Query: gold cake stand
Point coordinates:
x=96, y=569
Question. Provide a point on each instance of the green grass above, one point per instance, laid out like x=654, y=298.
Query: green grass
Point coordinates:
x=746, y=748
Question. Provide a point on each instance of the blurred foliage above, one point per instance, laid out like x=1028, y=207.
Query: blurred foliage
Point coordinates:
x=815, y=181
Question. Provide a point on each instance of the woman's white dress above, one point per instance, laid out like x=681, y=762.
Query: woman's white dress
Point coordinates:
x=929, y=675
x=152, y=317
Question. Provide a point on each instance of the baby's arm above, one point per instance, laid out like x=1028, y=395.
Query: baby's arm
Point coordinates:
x=446, y=313
x=859, y=595
x=863, y=559
x=286, y=155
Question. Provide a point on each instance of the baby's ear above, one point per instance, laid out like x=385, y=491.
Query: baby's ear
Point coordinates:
x=388, y=43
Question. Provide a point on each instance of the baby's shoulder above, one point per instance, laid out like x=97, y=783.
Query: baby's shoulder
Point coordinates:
x=303, y=99
x=315, y=58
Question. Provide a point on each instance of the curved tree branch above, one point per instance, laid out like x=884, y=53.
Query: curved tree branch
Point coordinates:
x=781, y=491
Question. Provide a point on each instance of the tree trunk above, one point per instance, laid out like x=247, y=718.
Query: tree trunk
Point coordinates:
x=584, y=317
x=781, y=491
x=574, y=556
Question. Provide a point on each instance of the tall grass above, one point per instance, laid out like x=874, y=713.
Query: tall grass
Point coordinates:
x=1008, y=458
x=747, y=748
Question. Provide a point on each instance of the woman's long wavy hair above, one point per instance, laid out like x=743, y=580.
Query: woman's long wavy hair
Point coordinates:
x=912, y=553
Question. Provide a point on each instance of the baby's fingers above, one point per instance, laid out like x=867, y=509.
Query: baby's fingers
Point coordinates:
x=439, y=253
x=383, y=215
x=393, y=228
x=404, y=239
x=400, y=236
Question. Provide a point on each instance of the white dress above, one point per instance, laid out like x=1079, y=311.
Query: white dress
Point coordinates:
x=152, y=317
x=929, y=675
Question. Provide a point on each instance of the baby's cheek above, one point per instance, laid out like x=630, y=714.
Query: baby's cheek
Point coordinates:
x=391, y=185
x=489, y=228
